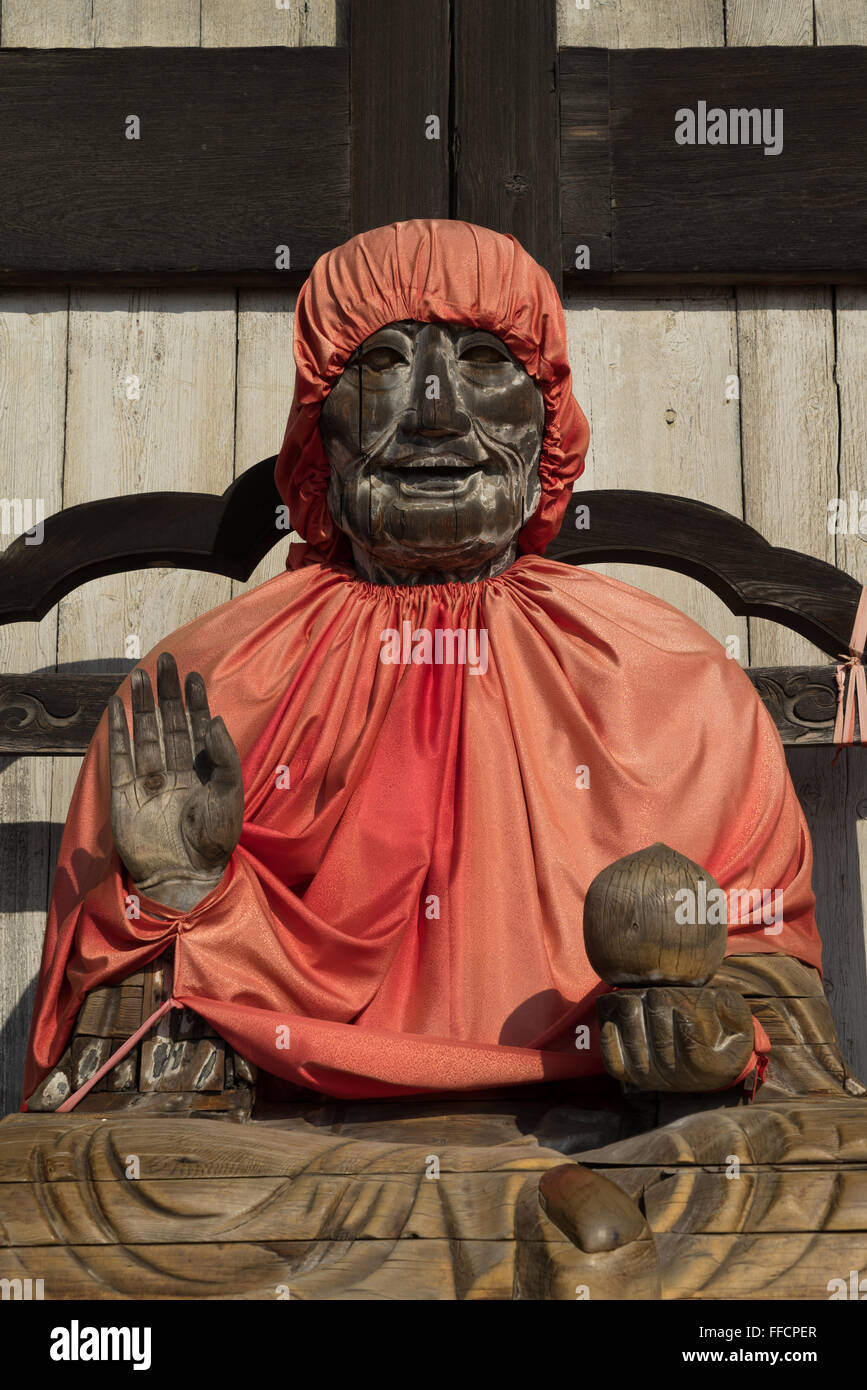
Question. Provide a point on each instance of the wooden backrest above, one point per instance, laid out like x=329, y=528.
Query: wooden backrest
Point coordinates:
x=229, y=535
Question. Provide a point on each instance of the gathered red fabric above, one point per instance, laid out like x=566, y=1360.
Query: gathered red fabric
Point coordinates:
x=403, y=912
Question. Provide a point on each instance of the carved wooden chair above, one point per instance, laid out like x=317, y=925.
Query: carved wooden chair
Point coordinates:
x=495, y=1139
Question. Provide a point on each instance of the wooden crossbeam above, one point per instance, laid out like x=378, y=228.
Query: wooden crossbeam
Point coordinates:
x=236, y=154
x=42, y=714
x=772, y=189
x=246, y=164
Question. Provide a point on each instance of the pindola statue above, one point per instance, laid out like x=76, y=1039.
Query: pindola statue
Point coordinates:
x=472, y=885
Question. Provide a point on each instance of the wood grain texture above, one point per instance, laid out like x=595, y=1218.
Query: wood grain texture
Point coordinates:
x=265, y=385
x=650, y=375
x=585, y=161
x=328, y=1217
x=506, y=119
x=634, y=24
x=752, y=23
x=240, y=152
x=788, y=405
x=850, y=372
x=33, y=330
x=237, y=23
x=51, y=24
x=840, y=21
x=398, y=171
x=727, y=209
x=138, y=23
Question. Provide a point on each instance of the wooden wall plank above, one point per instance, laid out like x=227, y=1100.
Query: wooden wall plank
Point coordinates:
x=50, y=24
x=850, y=373
x=266, y=381
x=751, y=23
x=651, y=376
x=789, y=432
x=636, y=24
x=138, y=23
x=506, y=118
x=33, y=331
x=841, y=21
x=400, y=160
x=230, y=23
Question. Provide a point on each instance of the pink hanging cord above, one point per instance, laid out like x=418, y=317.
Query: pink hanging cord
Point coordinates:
x=125, y=1047
x=852, y=693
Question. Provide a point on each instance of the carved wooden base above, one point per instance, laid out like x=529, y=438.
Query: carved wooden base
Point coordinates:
x=438, y=1201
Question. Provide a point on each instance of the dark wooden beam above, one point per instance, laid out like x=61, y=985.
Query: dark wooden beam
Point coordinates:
x=43, y=714
x=721, y=212
x=505, y=109
x=752, y=577
x=400, y=79
x=224, y=534
x=585, y=161
x=241, y=151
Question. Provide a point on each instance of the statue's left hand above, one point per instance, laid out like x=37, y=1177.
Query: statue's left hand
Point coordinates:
x=667, y=1038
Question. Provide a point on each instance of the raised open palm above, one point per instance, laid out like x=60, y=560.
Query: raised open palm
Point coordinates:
x=177, y=804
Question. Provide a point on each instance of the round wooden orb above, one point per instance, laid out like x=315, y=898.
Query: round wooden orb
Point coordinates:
x=634, y=927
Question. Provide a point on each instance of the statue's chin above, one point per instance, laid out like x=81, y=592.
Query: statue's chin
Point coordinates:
x=402, y=563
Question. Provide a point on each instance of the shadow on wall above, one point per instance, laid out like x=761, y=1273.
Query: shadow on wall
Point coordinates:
x=834, y=798
x=15, y=1027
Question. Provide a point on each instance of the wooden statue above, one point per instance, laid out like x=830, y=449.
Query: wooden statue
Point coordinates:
x=442, y=1196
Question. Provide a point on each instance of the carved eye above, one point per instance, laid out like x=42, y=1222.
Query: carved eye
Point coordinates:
x=154, y=781
x=382, y=359
x=483, y=354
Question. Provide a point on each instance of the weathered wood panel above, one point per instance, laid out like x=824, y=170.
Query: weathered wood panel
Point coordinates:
x=651, y=375
x=239, y=157
x=635, y=24
x=33, y=328
x=228, y=23
x=789, y=429
x=752, y=23
x=840, y=21
x=505, y=101
x=266, y=381
x=400, y=108
x=51, y=24
x=707, y=202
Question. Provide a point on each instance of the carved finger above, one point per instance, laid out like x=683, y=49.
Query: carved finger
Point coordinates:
x=226, y=774
x=658, y=1012
x=197, y=708
x=145, y=731
x=179, y=757
x=733, y=1011
x=633, y=1032
x=119, y=751
x=703, y=1066
x=612, y=1051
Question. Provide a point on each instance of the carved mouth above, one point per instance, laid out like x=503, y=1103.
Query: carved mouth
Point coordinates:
x=434, y=474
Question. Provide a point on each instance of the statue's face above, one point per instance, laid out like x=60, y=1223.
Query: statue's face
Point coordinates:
x=433, y=433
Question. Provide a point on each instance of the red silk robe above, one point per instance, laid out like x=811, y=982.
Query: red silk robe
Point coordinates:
x=404, y=909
